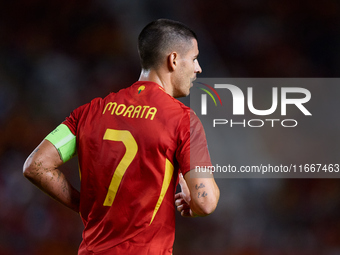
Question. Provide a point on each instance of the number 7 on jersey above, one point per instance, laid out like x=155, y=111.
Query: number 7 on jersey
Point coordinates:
x=131, y=150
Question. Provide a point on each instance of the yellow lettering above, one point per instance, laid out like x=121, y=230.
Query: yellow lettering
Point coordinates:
x=118, y=112
x=137, y=110
x=129, y=110
x=144, y=108
x=109, y=106
x=152, y=111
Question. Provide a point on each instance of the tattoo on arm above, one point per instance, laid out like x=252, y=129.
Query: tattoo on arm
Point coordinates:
x=197, y=187
x=203, y=194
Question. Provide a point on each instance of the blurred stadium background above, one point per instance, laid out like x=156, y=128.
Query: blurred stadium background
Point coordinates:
x=57, y=55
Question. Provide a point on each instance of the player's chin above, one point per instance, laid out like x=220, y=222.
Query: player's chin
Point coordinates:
x=183, y=93
x=186, y=93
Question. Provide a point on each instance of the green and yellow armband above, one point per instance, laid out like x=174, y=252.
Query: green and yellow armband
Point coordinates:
x=64, y=141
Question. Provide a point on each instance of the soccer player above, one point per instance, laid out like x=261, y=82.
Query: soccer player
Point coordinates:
x=133, y=147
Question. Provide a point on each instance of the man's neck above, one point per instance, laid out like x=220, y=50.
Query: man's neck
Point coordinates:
x=158, y=77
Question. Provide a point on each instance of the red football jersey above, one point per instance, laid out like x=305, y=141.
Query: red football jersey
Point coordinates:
x=131, y=146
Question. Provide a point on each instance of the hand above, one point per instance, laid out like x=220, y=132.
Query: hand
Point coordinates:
x=182, y=199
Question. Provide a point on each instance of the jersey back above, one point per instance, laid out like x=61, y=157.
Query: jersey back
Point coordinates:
x=131, y=145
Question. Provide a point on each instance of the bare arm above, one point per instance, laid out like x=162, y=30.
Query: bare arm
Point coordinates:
x=199, y=196
x=41, y=168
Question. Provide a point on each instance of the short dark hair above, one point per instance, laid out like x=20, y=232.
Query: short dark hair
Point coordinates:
x=160, y=36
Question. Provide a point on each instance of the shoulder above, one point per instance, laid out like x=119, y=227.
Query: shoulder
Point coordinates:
x=86, y=109
x=98, y=102
x=94, y=103
x=174, y=103
x=181, y=107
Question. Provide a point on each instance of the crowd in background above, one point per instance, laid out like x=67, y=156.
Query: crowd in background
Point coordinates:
x=59, y=54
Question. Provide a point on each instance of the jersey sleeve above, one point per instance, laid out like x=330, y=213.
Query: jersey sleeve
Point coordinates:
x=63, y=137
x=72, y=121
x=193, y=148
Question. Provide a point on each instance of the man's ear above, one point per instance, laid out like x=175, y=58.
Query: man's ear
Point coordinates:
x=173, y=61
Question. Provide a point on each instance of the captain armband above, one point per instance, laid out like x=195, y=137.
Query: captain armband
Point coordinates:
x=64, y=141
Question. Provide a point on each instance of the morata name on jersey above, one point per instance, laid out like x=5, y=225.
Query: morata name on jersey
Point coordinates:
x=131, y=111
